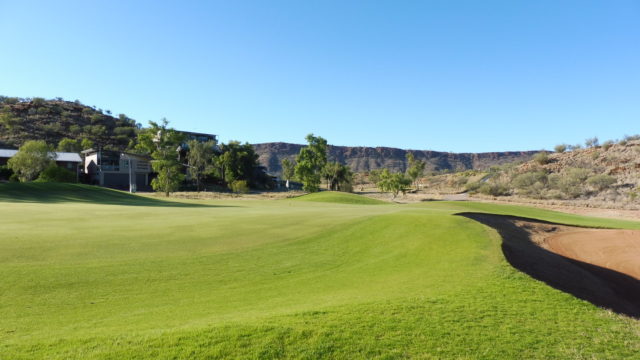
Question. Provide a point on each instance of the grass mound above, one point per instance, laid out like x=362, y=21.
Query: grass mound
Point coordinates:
x=48, y=192
x=340, y=198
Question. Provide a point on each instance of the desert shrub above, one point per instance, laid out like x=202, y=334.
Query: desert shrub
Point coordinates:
x=239, y=186
x=591, y=142
x=601, y=181
x=473, y=186
x=461, y=181
x=623, y=142
x=554, y=194
x=571, y=183
x=560, y=148
x=541, y=158
x=38, y=101
x=493, y=189
x=55, y=173
x=526, y=180
x=531, y=183
x=607, y=144
x=595, y=155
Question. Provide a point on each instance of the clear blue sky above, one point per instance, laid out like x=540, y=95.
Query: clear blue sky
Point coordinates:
x=445, y=75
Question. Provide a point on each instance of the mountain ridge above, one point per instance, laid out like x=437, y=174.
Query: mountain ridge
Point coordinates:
x=364, y=159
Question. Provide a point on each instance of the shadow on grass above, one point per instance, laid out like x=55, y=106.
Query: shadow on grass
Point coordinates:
x=78, y=193
x=600, y=286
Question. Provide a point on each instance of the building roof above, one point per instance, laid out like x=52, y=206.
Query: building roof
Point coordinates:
x=68, y=156
x=121, y=153
x=196, y=133
x=60, y=156
x=7, y=153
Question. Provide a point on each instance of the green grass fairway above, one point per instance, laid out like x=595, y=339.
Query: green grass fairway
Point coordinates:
x=95, y=274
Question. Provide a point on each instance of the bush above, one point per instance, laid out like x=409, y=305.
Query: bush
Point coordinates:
x=541, y=158
x=526, y=180
x=570, y=183
x=473, y=186
x=493, y=189
x=601, y=181
x=591, y=142
x=560, y=148
x=239, y=186
x=607, y=144
x=55, y=173
x=69, y=145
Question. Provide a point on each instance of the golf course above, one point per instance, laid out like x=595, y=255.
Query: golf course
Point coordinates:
x=93, y=273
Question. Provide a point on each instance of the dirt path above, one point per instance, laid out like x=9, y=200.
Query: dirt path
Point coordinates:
x=600, y=266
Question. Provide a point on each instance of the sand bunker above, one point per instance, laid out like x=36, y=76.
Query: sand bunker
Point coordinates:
x=617, y=250
x=600, y=266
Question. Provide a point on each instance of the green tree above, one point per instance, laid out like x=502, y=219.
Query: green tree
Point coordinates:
x=393, y=183
x=239, y=186
x=288, y=169
x=86, y=144
x=32, y=158
x=55, y=173
x=310, y=163
x=415, y=169
x=339, y=177
x=374, y=176
x=200, y=160
x=69, y=145
x=237, y=162
x=162, y=144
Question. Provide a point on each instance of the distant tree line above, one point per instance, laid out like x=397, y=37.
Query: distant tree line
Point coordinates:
x=232, y=165
x=311, y=167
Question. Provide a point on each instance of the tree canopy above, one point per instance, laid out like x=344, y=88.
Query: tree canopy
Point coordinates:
x=311, y=162
x=200, y=160
x=415, y=170
x=32, y=158
x=393, y=183
x=163, y=145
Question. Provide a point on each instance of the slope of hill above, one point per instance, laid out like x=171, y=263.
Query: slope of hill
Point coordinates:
x=363, y=159
x=53, y=120
x=599, y=176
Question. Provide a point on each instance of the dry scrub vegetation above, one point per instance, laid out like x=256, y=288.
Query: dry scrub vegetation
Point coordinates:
x=606, y=175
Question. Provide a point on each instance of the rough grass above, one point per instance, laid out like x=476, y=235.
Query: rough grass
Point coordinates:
x=280, y=279
x=340, y=198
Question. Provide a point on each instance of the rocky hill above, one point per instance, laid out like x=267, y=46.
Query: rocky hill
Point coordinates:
x=363, y=159
x=56, y=119
x=605, y=175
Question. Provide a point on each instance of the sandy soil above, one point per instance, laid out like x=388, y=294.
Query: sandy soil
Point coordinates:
x=600, y=266
x=617, y=250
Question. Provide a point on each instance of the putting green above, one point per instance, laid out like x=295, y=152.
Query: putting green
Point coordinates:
x=92, y=273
